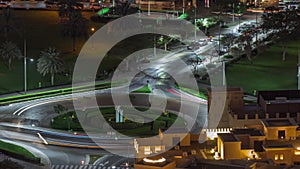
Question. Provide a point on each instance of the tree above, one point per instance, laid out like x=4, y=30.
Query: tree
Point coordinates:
x=74, y=24
x=228, y=39
x=9, y=23
x=195, y=62
x=245, y=42
x=50, y=63
x=281, y=26
x=10, y=51
x=67, y=8
x=60, y=109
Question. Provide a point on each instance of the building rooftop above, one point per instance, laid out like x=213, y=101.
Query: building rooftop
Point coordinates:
x=280, y=96
x=152, y=141
x=278, y=146
x=175, y=130
x=279, y=122
x=228, y=137
x=251, y=132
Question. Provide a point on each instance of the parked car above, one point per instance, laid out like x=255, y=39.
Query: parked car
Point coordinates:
x=51, y=4
x=3, y=4
x=95, y=6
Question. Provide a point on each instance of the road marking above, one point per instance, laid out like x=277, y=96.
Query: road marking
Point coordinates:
x=38, y=104
x=42, y=138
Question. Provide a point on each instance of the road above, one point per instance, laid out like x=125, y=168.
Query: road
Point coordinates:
x=38, y=113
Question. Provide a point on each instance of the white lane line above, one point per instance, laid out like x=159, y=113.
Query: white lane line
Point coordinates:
x=38, y=104
x=42, y=138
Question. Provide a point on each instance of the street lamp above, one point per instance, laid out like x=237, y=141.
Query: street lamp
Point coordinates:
x=232, y=12
x=195, y=24
x=148, y=7
x=25, y=66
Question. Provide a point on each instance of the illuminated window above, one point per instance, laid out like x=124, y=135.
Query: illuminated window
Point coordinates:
x=281, y=157
x=276, y=157
x=157, y=148
x=147, y=150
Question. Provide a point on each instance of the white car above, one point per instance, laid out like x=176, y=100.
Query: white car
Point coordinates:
x=3, y=4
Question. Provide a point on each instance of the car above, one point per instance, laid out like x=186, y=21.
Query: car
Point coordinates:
x=202, y=42
x=95, y=6
x=51, y=4
x=4, y=5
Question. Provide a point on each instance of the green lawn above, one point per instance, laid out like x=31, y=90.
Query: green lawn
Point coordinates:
x=15, y=149
x=268, y=71
x=129, y=128
x=202, y=93
x=145, y=89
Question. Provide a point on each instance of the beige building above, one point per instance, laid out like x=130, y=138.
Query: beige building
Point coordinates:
x=284, y=129
x=229, y=146
x=175, y=136
x=281, y=154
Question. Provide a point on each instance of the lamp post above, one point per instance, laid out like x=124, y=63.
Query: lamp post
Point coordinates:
x=148, y=7
x=183, y=6
x=219, y=52
x=195, y=25
x=232, y=12
x=25, y=67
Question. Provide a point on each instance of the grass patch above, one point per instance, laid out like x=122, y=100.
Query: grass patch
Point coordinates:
x=268, y=71
x=93, y=158
x=145, y=89
x=69, y=121
x=16, y=149
x=66, y=121
x=201, y=93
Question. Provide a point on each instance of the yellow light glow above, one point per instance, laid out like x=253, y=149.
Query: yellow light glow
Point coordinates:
x=297, y=153
x=298, y=148
x=276, y=157
x=154, y=161
x=281, y=156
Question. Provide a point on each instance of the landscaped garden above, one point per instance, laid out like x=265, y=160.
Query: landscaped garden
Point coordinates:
x=68, y=120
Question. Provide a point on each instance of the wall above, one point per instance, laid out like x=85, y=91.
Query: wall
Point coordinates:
x=232, y=150
x=287, y=155
x=168, y=139
x=272, y=132
x=171, y=165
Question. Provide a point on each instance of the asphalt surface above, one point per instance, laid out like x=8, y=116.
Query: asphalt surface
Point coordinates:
x=40, y=112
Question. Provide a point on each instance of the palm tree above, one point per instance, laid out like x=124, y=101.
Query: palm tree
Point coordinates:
x=9, y=23
x=74, y=24
x=50, y=63
x=67, y=8
x=75, y=27
x=10, y=51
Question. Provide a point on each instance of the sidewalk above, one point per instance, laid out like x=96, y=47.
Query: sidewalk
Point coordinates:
x=50, y=88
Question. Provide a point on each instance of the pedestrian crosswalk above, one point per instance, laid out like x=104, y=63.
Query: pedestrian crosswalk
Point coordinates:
x=88, y=167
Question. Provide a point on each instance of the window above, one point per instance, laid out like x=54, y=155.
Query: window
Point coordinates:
x=281, y=157
x=276, y=157
x=147, y=150
x=157, y=148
